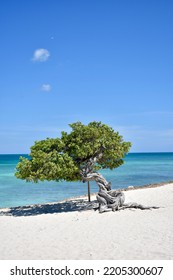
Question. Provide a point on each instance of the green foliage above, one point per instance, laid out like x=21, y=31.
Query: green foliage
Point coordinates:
x=62, y=158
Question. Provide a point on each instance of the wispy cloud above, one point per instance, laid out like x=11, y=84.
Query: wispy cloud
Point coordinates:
x=31, y=130
x=153, y=113
x=46, y=87
x=41, y=55
x=143, y=139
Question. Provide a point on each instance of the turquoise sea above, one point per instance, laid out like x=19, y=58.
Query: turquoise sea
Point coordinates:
x=139, y=169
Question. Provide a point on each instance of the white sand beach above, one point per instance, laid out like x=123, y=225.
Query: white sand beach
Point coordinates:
x=126, y=234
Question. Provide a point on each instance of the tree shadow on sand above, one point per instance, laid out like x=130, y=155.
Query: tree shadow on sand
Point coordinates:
x=52, y=208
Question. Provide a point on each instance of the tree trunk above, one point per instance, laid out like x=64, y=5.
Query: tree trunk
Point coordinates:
x=110, y=200
x=89, y=193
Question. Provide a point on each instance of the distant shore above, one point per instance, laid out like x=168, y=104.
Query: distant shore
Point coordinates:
x=60, y=230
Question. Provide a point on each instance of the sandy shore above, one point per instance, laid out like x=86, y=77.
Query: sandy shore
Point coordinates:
x=65, y=233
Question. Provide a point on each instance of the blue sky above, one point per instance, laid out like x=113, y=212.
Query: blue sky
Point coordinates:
x=64, y=61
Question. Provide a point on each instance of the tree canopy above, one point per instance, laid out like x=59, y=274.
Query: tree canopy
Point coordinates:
x=86, y=149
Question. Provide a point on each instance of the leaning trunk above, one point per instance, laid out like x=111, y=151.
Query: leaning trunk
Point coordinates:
x=108, y=199
x=98, y=178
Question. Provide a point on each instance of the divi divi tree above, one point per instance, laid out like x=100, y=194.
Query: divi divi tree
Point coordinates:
x=75, y=156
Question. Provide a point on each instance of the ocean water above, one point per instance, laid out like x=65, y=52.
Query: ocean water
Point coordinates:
x=139, y=169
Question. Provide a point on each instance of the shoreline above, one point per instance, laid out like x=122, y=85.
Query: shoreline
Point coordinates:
x=47, y=233
x=85, y=197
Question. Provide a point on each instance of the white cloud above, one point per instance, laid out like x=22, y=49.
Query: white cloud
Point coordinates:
x=46, y=87
x=41, y=55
